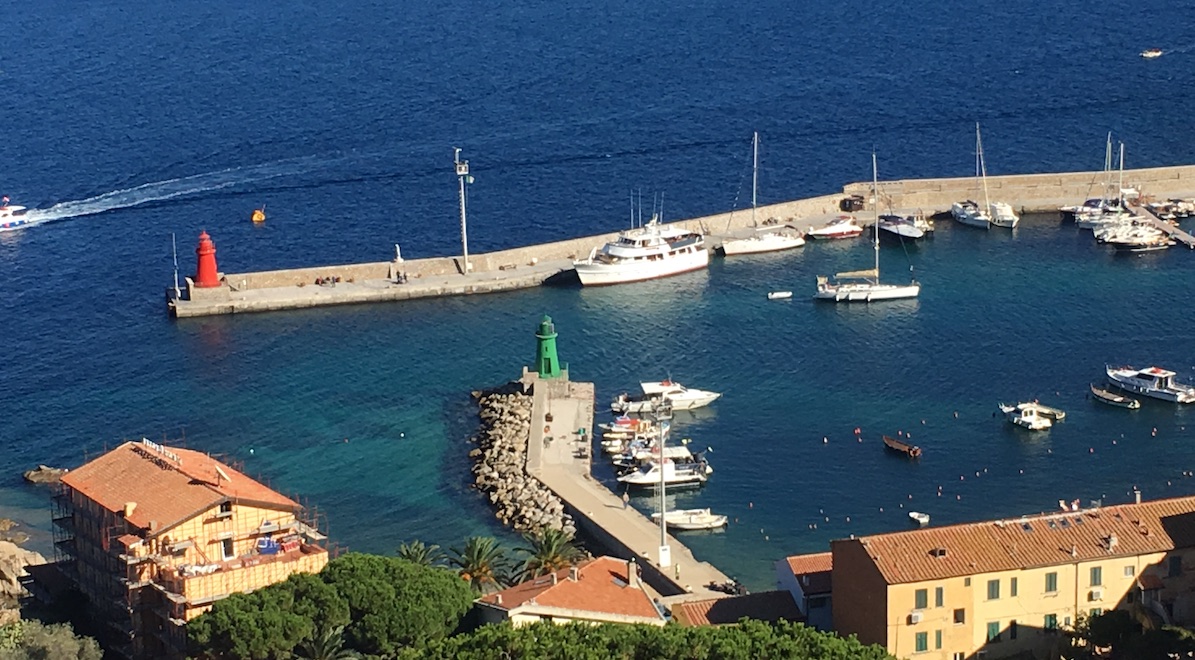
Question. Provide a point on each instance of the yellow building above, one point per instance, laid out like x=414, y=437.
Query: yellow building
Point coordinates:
x=153, y=536
x=998, y=588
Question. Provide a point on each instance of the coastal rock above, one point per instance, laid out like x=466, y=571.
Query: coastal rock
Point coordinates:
x=13, y=560
x=44, y=474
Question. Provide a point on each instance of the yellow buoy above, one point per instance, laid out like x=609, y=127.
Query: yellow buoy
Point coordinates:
x=259, y=215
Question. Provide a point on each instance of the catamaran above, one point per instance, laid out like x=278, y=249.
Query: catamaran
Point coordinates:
x=762, y=239
x=865, y=285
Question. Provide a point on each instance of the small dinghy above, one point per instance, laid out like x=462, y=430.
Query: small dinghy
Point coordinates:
x=921, y=519
x=780, y=295
x=1114, y=399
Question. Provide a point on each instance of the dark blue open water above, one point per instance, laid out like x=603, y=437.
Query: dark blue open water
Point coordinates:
x=130, y=122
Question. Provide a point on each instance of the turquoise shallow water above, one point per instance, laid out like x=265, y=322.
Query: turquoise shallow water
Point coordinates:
x=128, y=125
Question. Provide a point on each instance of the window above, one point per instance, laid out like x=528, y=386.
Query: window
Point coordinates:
x=937, y=639
x=960, y=616
x=1012, y=587
x=1096, y=611
x=229, y=551
x=817, y=602
x=1012, y=629
x=921, y=599
x=958, y=656
x=1097, y=576
x=1051, y=623
x=1130, y=570
x=993, y=631
x=939, y=596
x=966, y=582
x=1051, y=583
x=922, y=642
x=993, y=590
x=1176, y=566
x=226, y=507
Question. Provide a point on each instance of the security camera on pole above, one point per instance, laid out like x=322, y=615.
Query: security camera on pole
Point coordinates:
x=462, y=173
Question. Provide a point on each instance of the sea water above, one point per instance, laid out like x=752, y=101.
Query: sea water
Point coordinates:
x=123, y=126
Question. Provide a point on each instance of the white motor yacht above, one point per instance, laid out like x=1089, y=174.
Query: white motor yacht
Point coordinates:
x=674, y=475
x=12, y=218
x=844, y=226
x=691, y=519
x=1152, y=381
x=644, y=253
x=681, y=397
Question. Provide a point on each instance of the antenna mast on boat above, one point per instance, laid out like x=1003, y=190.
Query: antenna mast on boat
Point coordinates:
x=174, y=249
x=754, y=173
x=462, y=173
x=875, y=229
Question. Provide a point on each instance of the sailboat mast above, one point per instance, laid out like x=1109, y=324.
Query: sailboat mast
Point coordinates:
x=983, y=170
x=754, y=173
x=875, y=191
x=1107, y=167
x=1120, y=184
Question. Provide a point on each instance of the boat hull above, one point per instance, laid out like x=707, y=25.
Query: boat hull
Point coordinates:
x=760, y=244
x=598, y=274
x=867, y=292
x=1119, y=378
x=1113, y=399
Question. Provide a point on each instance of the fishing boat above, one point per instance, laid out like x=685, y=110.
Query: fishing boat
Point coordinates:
x=907, y=448
x=844, y=226
x=1032, y=415
x=1152, y=382
x=692, y=519
x=921, y=519
x=672, y=474
x=1151, y=53
x=12, y=218
x=865, y=285
x=1114, y=399
x=644, y=253
x=766, y=238
x=780, y=295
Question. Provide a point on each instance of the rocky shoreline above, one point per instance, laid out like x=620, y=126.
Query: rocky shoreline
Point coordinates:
x=500, y=464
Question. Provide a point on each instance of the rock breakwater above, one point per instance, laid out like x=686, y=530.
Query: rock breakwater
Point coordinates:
x=500, y=464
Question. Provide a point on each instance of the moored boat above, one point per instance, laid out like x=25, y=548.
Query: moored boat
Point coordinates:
x=644, y=253
x=679, y=396
x=780, y=295
x=920, y=518
x=674, y=475
x=1031, y=415
x=692, y=519
x=844, y=226
x=1153, y=382
x=907, y=448
x=901, y=228
x=1114, y=399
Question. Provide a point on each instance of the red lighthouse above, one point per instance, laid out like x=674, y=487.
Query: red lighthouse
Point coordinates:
x=205, y=274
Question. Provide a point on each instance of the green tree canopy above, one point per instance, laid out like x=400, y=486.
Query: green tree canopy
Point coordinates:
x=33, y=640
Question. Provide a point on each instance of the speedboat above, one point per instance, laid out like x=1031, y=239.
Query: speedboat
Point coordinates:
x=1114, y=399
x=635, y=455
x=1002, y=215
x=904, y=229
x=969, y=213
x=1032, y=415
x=673, y=474
x=1131, y=237
x=681, y=397
x=1154, y=382
x=644, y=253
x=691, y=519
x=921, y=519
x=844, y=226
x=12, y=218
x=1151, y=53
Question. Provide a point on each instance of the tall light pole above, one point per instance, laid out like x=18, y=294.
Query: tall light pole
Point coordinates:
x=665, y=550
x=462, y=173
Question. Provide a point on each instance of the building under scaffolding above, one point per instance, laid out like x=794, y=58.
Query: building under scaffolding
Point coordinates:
x=154, y=535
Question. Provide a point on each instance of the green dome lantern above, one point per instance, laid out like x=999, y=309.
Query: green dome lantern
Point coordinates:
x=547, y=364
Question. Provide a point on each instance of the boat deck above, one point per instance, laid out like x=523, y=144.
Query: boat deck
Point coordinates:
x=561, y=460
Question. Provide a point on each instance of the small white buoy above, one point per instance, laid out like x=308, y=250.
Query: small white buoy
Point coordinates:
x=250, y=451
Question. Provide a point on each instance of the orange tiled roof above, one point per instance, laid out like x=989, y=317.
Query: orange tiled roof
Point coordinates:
x=1041, y=540
x=167, y=485
x=601, y=587
x=813, y=571
x=764, y=606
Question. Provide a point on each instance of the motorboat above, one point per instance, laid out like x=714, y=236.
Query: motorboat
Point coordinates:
x=644, y=253
x=692, y=519
x=1002, y=215
x=844, y=226
x=679, y=396
x=905, y=228
x=1133, y=237
x=1114, y=399
x=780, y=295
x=900, y=446
x=13, y=218
x=1153, y=382
x=673, y=474
x=1151, y=53
x=635, y=455
x=637, y=403
x=865, y=285
x=969, y=213
x=1032, y=415
x=921, y=519
x=1172, y=209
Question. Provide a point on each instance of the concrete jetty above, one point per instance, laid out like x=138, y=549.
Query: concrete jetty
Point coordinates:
x=559, y=455
x=1165, y=227
x=529, y=266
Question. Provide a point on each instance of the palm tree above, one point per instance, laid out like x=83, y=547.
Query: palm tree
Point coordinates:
x=550, y=550
x=418, y=553
x=482, y=562
x=325, y=644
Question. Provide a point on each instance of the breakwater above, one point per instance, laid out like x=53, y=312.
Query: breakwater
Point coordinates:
x=521, y=501
x=534, y=265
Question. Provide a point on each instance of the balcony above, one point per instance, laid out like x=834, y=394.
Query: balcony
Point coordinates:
x=201, y=585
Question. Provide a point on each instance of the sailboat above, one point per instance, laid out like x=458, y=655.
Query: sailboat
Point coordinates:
x=1000, y=213
x=864, y=285
x=762, y=239
x=968, y=212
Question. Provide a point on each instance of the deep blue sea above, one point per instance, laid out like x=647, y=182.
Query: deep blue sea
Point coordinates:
x=124, y=123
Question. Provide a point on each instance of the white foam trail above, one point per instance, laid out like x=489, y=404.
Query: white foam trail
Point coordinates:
x=169, y=189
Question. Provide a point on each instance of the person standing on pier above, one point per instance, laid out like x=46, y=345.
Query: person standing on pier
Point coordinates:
x=626, y=499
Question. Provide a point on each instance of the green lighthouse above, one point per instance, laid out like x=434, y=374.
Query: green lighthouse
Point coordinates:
x=546, y=362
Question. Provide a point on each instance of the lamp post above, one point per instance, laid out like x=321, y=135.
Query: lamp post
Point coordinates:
x=462, y=174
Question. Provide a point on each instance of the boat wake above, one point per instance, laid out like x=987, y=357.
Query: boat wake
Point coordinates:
x=169, y=189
